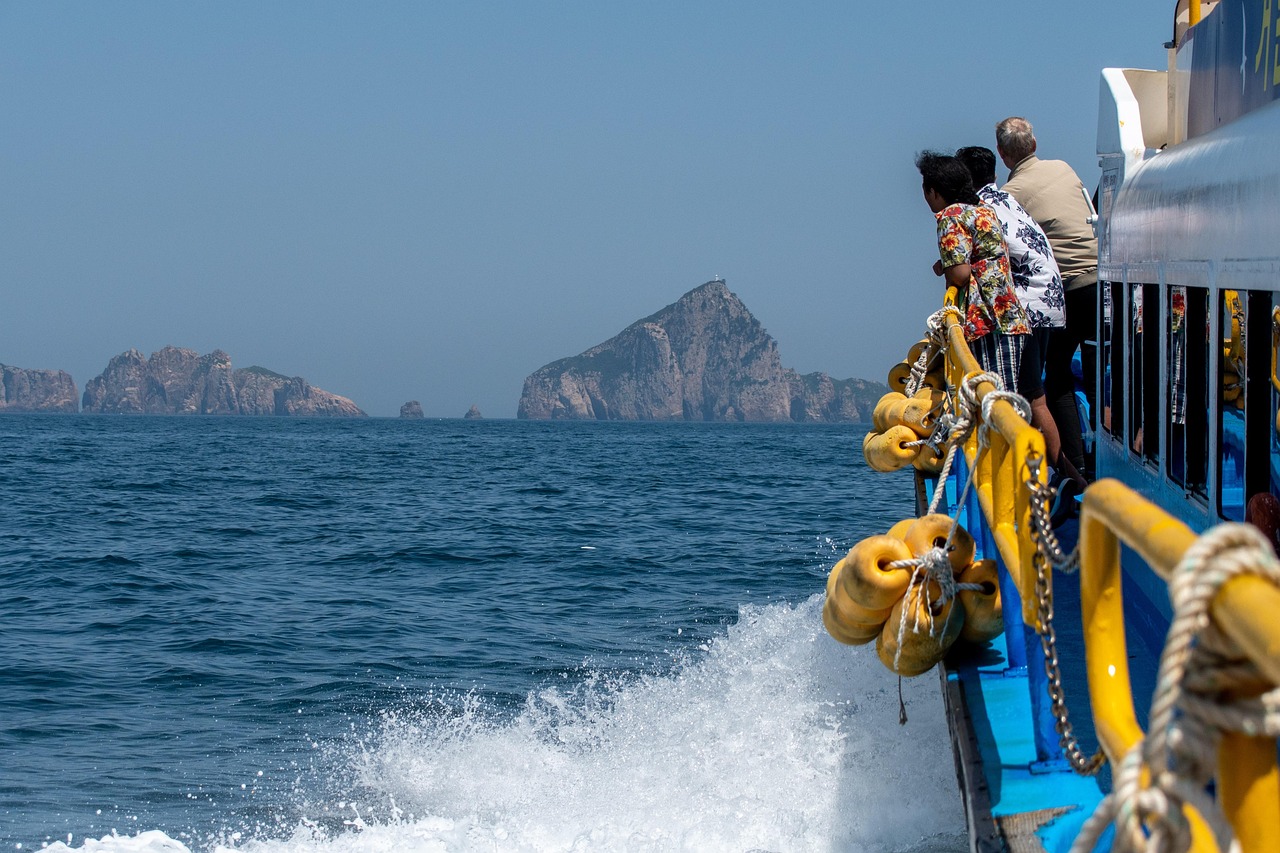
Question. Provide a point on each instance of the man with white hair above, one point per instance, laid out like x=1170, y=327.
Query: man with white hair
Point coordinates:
x=1052, y=193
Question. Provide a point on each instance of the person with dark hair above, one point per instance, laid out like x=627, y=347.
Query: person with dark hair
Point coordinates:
x=1036, y=281
x=1052, y=193
x=974, y=260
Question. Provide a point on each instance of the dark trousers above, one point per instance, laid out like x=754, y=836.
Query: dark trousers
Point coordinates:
x=1059, y=384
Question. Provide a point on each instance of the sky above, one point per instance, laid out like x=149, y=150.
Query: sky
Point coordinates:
x=431, y=200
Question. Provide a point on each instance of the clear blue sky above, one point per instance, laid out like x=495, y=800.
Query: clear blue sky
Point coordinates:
x=431, y=200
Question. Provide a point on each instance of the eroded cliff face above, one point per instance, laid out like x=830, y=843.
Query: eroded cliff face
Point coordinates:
x=703, y=358
x=177, y=381
x=24, y=390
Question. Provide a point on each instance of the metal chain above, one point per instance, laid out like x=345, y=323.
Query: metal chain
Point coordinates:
x=1049, y=552
x=1042, y=525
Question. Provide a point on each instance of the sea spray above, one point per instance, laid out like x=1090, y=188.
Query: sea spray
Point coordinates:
x=774, y=737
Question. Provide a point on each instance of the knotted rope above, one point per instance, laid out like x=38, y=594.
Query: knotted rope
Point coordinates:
x=1188, y=713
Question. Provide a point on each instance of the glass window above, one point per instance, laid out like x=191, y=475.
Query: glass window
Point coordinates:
x=1112, y=367
x=1135, y=366
x=1231, y=383
x=1187, y=388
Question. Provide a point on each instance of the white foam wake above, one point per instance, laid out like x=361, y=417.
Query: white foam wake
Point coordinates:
x=775, y=738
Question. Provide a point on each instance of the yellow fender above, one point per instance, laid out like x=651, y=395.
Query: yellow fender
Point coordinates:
x=921, y=651
x=913, y=354
x=935, y=396
x=899, y=530
x=935, y=380
x=982, y=613
x=884, y=415
x=845, y=619
x=916, y=413
x=898, y=376
x=848, y=636
x=929, y=461
x=887, y=451
x=865, y=576
x=930, y=531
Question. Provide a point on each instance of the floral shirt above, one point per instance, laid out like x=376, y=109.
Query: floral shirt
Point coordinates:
x=971, y=235
x=1035, y=273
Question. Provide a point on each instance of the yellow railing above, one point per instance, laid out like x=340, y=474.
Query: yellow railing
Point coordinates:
x=1002, y=471
x=1248, y=780
x=1245, y=610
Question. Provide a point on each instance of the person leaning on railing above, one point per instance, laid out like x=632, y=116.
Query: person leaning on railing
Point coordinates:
x=1053, y=194
x=975, y=261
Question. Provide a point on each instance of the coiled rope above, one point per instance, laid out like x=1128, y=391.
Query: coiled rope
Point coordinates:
x=1189, y=713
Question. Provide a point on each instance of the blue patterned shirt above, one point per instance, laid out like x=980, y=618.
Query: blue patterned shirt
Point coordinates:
x=1036, y=279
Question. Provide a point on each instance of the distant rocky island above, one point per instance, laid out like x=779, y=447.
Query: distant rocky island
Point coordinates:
x=178, y=381
x=37, y=391
x=702, y=358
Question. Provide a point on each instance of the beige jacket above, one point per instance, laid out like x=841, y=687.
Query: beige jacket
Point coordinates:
x=1052, y=193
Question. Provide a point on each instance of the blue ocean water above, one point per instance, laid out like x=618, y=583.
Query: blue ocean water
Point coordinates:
x=299, y=635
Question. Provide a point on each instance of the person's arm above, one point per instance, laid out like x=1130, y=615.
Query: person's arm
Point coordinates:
x=958, y=276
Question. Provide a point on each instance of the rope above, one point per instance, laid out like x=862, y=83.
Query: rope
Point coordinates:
x=1189, y=713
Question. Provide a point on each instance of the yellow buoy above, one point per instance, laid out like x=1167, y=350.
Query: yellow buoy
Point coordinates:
x=913, y=354
x=936, y=380
x=899, y=530
x=883, y=417
x=929, y=630
x=916, y=413
x=931, y=531
x=865, y=576
x=847, y=611
x=898, y=376
x=848, y=636
x=935, y=396
x=982, y=617
x=929, y=461
x=845, y=619
x=888, y=450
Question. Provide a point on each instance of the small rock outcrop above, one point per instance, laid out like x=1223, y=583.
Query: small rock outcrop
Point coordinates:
x=473, y=414
x=702, y=358
x=412, y=409
x=177, y=381
x=24, y=390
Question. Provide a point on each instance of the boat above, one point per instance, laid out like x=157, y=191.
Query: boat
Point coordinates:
x=1129, y=701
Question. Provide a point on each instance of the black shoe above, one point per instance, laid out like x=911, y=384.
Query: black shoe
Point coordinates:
x=1062, y=506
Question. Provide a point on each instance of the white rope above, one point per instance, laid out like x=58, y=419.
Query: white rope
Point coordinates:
x=929, y=568
x=1189, y=713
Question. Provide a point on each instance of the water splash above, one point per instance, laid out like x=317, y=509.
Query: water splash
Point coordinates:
x=771, y=738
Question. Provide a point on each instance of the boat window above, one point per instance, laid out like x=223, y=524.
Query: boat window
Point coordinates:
x=1273, y=411
x=1112, y=359
x=1198, y=351
x=1231, y=376
x=1177, y=390
x=1134, y=316
x=1187, y=388
x=1144, y=432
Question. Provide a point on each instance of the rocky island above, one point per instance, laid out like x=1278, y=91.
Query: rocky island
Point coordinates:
x=39, y=391
x=178, y=381
x=702, y=358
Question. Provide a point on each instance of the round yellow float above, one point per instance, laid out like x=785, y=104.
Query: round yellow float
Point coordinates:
x=888, y=451
x=931, y=531
x=898, y=376
x=929, y=461
x=865, y=576
x=899, y=530
x=921, y=650
x=982, y=613
x=883, y=417
x=848, y=636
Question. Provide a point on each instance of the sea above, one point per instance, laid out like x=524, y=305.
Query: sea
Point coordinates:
x=305, y=635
